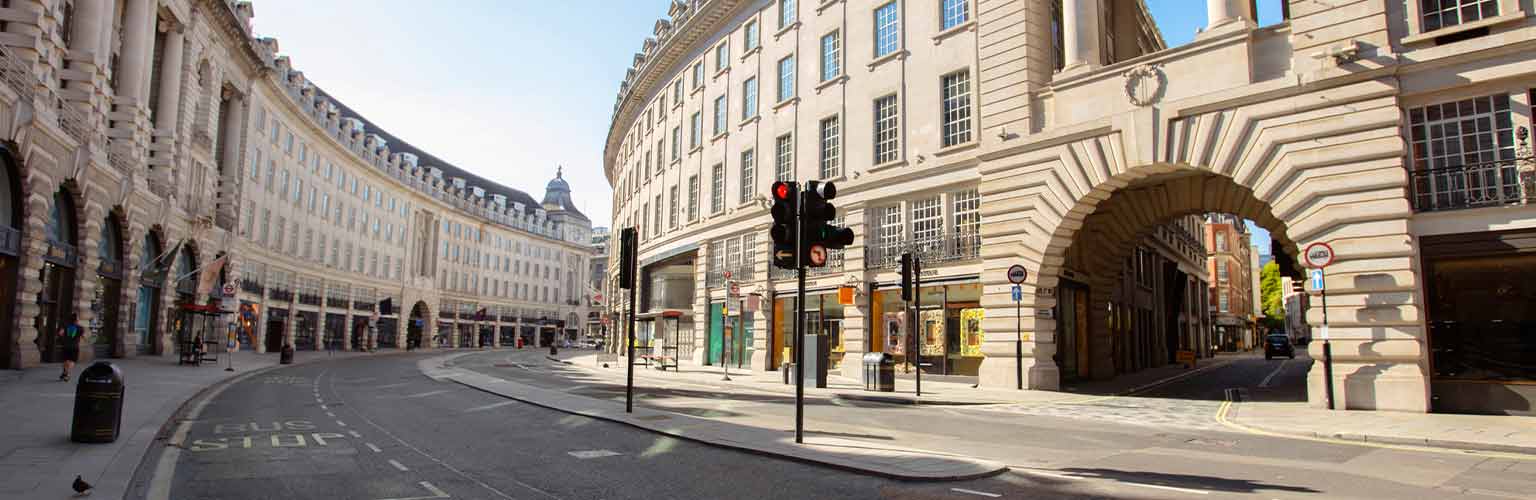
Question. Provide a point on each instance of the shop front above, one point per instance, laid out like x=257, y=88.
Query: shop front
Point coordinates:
x=1482, y=328
x=388, y=332
x=245, y=326
x=948, y=327
x=730, y=335
x=823, y=316
x=306, y=324
x=335, y=331
x=508, y=335
x=277, y=327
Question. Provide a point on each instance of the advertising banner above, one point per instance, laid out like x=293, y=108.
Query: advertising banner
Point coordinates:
x=971, y=335
x=895, y=330
x=933, y=332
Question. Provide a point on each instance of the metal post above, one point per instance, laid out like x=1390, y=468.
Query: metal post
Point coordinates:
x=629, y=344
x=799, y=326
x=1018, y=342
x=725, y=340
x=1327, y=347
x=917, y=307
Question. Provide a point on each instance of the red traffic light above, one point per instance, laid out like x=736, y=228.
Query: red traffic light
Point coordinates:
x=782, y=191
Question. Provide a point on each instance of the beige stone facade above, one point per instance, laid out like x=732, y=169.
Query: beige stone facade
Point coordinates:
x=1305, y=127
x=147, y=139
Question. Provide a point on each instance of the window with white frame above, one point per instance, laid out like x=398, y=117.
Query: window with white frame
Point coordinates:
x=1446, y=13
x=831, y=145
x=831, y=56
x=786, y=78
x=784, y=158
x=956, y=110
x=698, y=75
x=927, y=220
x=695, y=134
x=786, y=13
x=722, y=56
x=956, y=12
x=661, y=148
x=1224, y=303
x=693, y=197
x=967, y=210
x=672, y=203
x=749, y=36
x=749, y=98
x=887, y=29
x=887, y=123
x=1462, y=152
x=717, y=188
x=720, y=115
x=748, y=174
x=677, y=92
x=1221, y=271
x=677, y=141
x=889, y=228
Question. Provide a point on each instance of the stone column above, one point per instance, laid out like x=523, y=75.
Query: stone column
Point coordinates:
x=87, y=33
x=138, y=42
x=1220, y=12
x=170, y=80
x=1080, y=37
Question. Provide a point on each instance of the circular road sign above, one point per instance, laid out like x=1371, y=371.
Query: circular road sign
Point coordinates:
x=1318, y=255
x=735, y=288
x=229, y=289
x=1017, y=274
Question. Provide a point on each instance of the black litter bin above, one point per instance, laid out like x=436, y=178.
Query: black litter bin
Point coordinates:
x=98, y=404
x=286, y=357
x=879, y=372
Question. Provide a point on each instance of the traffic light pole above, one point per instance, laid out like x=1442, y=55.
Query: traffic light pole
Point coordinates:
x=917, y=306
x=799, y=325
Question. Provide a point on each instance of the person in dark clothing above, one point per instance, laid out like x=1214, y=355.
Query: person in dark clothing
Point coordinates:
x=69, y=342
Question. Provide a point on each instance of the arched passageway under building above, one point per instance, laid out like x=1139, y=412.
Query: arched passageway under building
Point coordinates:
x=11, y=218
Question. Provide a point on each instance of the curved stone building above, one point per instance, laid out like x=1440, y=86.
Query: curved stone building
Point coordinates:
x=163, y=163
x=1064, y=136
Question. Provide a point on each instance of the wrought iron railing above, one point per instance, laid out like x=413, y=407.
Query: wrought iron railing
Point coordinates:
x=947, y=248
x=336, y=302
x=251, y=285
x=834, y=266
x=18, y=73
x=1467, y=186
x=281, y=294
x=716, y=278
x=309, y=299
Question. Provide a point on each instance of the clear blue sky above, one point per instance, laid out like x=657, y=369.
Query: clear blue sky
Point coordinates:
x=509, y=89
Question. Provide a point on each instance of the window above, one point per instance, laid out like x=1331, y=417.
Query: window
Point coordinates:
x=720, y=115
x=956, y=112
x=677, y=141
x=889, y=232
x=660, y=150
x=831, y=162
x=749, y=98
x=698, y=75
x=1446, y=13
x=784, y=158
x=887, y=29
x=1221, y=271
x=956, y=12
x=927, y=221
x=749, y=36
x=831, y=56
x=967, y=210
x=786, y=13
x=886, y=123
x=717, y=188
x=693, y=197
x=655, y=228
x=722, y=56
x=677, y=92
x=698, y=128
x=1455, y=146
x=645, y=214
x=672, y=208
x=786, y=78
x=1058, y=44
x=256, y=165
x=1221, y=241
x=748, y=174
x=1223, y=302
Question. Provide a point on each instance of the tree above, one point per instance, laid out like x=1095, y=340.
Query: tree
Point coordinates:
x=1269, y=293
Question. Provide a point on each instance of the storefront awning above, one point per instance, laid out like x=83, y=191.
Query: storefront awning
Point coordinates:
x=664, y=313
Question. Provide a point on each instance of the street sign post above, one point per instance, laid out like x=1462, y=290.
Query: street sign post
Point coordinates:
x=1016, y=275
x=1319, y=255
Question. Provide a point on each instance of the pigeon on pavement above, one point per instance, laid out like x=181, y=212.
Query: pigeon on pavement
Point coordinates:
x=81, y=487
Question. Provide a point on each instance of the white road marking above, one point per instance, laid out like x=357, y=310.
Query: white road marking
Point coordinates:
x=421, y=395
x=329, y=414
x=490, y=406
x=974, y=492
x=340, y=423
x=373, y=447
x=586, y=454
x=436, y=493
x=1272, y=374
x=398, y=465
x=1169, y=488
x=1048, y=474
x=355, y=434
x=323, y=407
x=391, y=385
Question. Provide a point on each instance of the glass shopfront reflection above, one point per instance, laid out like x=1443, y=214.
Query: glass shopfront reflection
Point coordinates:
x=949, y=330
x=823, y=316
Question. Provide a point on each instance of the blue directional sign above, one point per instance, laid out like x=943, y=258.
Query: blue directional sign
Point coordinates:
x=1018, y=293
x=1317, y=279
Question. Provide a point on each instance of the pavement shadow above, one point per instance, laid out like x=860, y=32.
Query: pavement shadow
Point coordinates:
x=1221, y=484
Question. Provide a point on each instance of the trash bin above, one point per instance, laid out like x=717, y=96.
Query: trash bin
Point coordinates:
x=98, y=404
x=879, y=372
x=287, y=355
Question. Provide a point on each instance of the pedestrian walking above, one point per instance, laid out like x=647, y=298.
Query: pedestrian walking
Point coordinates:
x=69, y=342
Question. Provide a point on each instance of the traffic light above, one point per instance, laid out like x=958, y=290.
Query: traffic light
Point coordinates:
x=785, y=224
x=818, y=233
x=906, y=277
x=627, y=258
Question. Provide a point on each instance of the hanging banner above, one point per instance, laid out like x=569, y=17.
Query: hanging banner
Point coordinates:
x=933, y=332
x=971, y=335
x=895, y=329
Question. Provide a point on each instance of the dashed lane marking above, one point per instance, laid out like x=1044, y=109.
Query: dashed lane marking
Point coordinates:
x=373, y=447
x=1272, y=374
x=401, y=467
x=414, y=396
x=586, y=454
x=323, y=407
x=491, y=406
x=974, y=492
x=355, y=434
x=436, y=493
x=340, y=423
x=329, y=414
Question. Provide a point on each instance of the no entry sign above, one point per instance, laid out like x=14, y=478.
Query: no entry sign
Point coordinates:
x=1318, y=255
x=1017, y=274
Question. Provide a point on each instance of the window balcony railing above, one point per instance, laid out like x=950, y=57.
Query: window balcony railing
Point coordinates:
x=716, y=278
x=281, y=294
x=309, y=299
x=336, y=302
x=1478, y=185
x=947, y=248
x=834, y=266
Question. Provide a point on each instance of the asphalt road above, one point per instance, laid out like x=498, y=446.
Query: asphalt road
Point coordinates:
x=375, y=428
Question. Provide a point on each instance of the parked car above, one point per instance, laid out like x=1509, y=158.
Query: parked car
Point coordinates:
x=1277, y=345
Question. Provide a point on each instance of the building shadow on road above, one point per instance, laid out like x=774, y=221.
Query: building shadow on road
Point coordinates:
x=1187, y=481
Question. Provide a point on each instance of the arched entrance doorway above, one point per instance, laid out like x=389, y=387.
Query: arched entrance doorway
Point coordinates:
x=109, y=292
x=10, y=253
x=146, y=316
x=57, y=299
x=185, y=272
x=415, y=329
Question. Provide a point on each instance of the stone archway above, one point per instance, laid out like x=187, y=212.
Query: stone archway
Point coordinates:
x=12, y=219
x=419, y=327
x=59, y=275
x=110, y=274
x=1317, y=168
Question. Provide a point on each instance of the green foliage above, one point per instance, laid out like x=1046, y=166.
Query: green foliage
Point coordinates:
x=1269, y=293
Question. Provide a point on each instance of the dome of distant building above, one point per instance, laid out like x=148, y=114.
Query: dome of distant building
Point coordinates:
x=557, y=195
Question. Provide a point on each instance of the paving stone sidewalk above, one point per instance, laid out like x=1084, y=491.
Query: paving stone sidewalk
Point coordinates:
x=1500, y=433
x=37, y=459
